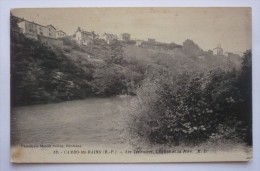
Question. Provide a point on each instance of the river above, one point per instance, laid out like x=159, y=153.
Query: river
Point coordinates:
x=91, y=121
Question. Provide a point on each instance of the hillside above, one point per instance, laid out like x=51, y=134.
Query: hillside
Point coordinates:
x=178, y=60
x=43, y=74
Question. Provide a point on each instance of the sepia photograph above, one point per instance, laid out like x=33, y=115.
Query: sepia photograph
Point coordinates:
x=131, y=85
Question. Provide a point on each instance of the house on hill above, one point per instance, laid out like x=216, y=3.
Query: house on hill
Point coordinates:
x=85, y=37
x=60, y=34
x=125, y=37
x=138, y=42
x=44, y=34
x=51, y=31
x=31, y=29
x=109, y=37
x=150, y=40
x=218, y=50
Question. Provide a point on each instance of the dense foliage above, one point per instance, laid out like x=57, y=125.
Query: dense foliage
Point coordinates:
x=40, y=75
x=194, y=107
x=43, y=74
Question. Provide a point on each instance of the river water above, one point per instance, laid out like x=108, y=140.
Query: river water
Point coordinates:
x=91, y=121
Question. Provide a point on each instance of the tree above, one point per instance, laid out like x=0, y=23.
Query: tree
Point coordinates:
x=191, y=49
x=116, y=54
x=245, y=87
x=13, y=23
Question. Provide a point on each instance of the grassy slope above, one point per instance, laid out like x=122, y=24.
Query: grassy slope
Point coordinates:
x=177, y=60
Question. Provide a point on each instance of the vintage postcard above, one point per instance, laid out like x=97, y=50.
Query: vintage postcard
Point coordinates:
x=131, y=85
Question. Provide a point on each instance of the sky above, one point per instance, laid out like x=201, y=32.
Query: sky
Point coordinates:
x=231, y=27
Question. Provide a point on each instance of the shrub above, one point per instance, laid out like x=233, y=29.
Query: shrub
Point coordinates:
x=190, y=108
x=67, y=49
x=108, y=81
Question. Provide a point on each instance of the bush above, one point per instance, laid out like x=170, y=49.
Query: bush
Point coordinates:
x=69, y=41
x=191, y=108
x=67, y=49
x=108, y=81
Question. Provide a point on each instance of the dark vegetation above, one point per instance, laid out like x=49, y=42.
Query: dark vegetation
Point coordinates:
x=182, y=94
x=192, y=107
x=42, y=74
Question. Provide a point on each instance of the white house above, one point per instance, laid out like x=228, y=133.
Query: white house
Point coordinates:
x=85, y=37
x=218, y=50
x=109, y=37
x=60, y=34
